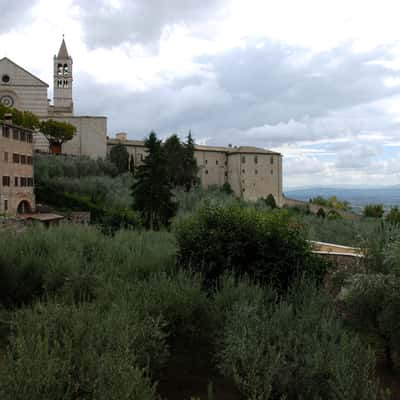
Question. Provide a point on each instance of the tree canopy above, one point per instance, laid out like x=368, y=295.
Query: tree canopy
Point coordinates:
x=373, y=210
x=57, y=132
x=152, y=196
x=119, y=156
x=181, y=163
x=332, y=202
x=25, y=119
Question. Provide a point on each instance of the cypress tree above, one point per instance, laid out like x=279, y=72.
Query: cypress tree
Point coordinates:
x=120, y=157
x=152, y=196
x=174, y=153
x=132, y=165
x=190, y=168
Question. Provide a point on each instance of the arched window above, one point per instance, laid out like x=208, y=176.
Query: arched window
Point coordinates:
x=66, y=70
x=59, y=69
x=65, y=84
x=59, y=83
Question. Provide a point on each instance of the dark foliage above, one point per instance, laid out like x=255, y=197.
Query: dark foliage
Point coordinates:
x=264, y=246
x=152, y=196
x=119, y=156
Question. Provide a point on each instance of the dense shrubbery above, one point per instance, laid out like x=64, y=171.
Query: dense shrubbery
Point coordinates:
x=264, y=246
x=294, y=348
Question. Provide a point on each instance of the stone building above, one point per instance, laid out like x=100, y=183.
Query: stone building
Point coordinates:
x=252, y=172
x=24, y=91
x=16, y=170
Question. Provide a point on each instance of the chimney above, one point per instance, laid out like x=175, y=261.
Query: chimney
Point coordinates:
x=8, y=118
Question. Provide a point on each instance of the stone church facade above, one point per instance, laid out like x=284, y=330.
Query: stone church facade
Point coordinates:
x=24, y=91
x=252, y=172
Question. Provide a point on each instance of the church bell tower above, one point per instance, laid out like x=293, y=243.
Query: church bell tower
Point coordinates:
x=63, y=80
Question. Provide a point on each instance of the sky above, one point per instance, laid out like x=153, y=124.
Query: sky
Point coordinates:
x=316, y=80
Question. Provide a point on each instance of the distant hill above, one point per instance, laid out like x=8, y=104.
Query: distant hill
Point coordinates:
x=358, y=197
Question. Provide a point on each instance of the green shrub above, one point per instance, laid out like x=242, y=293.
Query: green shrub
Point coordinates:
x=75, y=261
x=264, y=246
x=393, y=216
x=295, y=348
x=82, y=352
x=373, y=306
x=373, y=210
x=270, y=201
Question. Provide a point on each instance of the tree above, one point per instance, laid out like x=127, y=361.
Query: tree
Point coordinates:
x=393, y=216
x=270, y=201
x=190, y=168
x=22, y=118
x=321, y=213
x=373, y=210
x=120, y=157
x=57, y=133
x=132, y=165
x=152, y=196
x=373, y=307
x=174, y=153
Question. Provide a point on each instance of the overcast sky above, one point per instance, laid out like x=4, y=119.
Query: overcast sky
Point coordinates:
x=317, y=80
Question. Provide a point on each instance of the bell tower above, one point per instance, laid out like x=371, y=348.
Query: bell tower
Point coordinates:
x=63, y=80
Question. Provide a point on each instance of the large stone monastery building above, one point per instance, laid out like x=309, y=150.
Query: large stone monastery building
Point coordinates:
x=252, y=172
x=21, y=89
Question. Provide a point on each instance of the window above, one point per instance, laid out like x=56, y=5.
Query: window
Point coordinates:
x=255, y=160
x=206, y=171
x=22, y=136
x=59, y=69
x=206, y=162
x=23, y=181
x=15, y=134
x=15, y=158
x=243, y=159
x=243, y=171
x=29, y=137
x=16, y=181
x=5, y=156
x=30, y=182
x=23, y=159
x=272, y=171
x=272, y=160
x=59, y=83
x=65, y=69
x=216, y=162
x=226, y=174
x=226, y=162
x=29, y=160
x=65, y=84
x=6, y=131
x=5, y=78
x=5, y=205
x=256, y=172
x=6, y=181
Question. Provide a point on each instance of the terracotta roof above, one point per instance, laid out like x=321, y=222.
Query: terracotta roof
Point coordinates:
x=230, y=150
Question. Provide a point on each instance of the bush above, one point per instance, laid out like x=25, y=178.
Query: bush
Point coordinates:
x=75, y=261
x=82, y=352
x=264, y=246
x=270, y=201
x=373, y=306
x=321, y=213
x=293, y=349
x=373, y=210
x=393, y=216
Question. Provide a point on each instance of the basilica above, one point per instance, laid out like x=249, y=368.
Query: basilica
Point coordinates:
x=21, y=89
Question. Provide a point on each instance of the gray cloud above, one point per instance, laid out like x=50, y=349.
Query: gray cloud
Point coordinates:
x=142, y=21
x=14, y=13
x=259, y=96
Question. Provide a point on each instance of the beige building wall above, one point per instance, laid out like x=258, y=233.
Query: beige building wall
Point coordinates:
x=255, y=174
x=252, y=172
x=16, y=170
